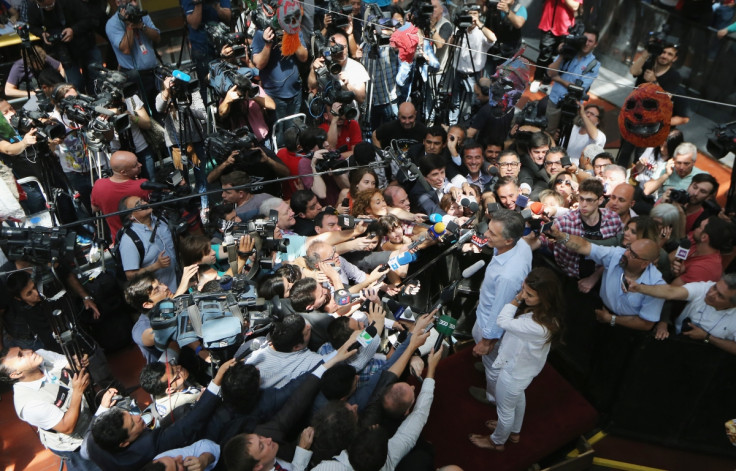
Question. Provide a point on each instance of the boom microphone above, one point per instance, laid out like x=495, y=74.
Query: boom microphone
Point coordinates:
x=448, y=293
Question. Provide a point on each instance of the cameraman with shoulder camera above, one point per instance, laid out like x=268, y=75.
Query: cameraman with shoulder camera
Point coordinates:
x=237, y=109
x=67, y=28
x=566, y=71
x=198, y=13
x=349, y=73
x=133, y=37
x=697, y=200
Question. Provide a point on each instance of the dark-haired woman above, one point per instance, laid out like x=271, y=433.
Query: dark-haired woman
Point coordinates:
x=532, y=321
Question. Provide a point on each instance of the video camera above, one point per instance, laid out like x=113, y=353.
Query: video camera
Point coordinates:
x=224, y=75
x=221, y=36
x=263, y=231
x=265, y=17
x=462, y=19
x=573, y=42
x=113, y=86
x=421, y=14
x=182, y=86
x=723, y=140
x=25, y=120
x=38, y=244
x=529, y=116
x=657, y=40
x=94, y=115
x=24, y=33
x=339, y=13
x=133, y=14
x=377, y=31
x=570, y=103
x=220, y=144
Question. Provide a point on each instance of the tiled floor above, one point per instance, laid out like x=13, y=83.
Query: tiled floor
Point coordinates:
x=20, y=448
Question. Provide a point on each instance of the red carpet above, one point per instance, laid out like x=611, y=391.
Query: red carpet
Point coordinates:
x=556, y=414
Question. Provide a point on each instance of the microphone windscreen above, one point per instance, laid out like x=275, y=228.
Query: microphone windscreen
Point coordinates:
x=473, y=269
x=537, y=207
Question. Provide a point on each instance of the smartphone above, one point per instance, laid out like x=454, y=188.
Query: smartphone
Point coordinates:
x=546, y=227
x=687, y=325
x=345, y=202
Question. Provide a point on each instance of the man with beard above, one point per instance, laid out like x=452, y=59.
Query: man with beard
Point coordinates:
x=406, y=127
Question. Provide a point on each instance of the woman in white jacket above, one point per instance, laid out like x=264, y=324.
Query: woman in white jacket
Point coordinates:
x=532, y=321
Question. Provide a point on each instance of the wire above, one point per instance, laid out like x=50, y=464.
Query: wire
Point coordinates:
x=485, y=53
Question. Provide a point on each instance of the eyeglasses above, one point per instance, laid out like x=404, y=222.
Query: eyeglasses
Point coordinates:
x=159, y=288
x=587, y=200
x=509, y=164
x=591, y=114
x=637, y=256
x=139, y=204
x=550, y=163
x=562, y=181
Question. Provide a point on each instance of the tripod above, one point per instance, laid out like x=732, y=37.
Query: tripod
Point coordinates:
x=448, y=84
x=374, y=65
x=30, y=59
x=188, y=128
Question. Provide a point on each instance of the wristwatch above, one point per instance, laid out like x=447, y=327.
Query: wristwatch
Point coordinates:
x=613, y=320
x=707, y=339
x=88, y=298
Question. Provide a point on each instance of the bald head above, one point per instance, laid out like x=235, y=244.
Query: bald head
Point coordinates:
x=622, y=199
x=646, y=249
x=407, y=115
x=125, y=164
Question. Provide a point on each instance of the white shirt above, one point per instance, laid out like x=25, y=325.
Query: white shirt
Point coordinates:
x=479, y=44
x=721, y=324
x=524, y=346
x=196, y=449
x=578, y=141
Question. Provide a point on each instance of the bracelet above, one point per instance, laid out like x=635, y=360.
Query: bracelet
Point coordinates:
x=565, y=240
x=88, y=298
x=613, y=320
x=707, y=339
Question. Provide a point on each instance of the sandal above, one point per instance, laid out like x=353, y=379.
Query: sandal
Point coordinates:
x=484, y=441
x=492, y=424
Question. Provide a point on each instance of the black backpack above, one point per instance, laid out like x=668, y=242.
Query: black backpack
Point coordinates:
x=126, y=229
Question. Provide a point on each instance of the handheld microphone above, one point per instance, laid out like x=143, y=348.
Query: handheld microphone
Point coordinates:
x=490, y=169
x=448, y=293
x=434, y=232
x=445, y=326
x=179, y=75
x=522, y=200
x=683, y=249
x=402, y=259
x=348, y=222
x=525, y=189
x=153, y=186
x=343, y=297
x=537, y=207
x=471, y=205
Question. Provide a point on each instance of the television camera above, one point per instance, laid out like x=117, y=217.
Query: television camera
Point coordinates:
x=221, y=36
x=573, y=42
x=224, y=75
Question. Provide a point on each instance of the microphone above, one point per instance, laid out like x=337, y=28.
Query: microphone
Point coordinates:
x=348, y=222
x=179, y=75
x=471, y=205
x=448, y=294
x=465, y=237
x=445, y=326
x=154, y=186
x=525, y=189
x=400, y=260
x=343, y=297
x=436, y=231
x=490, y=169
x=537, y=207
x=683, y=249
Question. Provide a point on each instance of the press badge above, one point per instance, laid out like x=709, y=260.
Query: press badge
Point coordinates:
x=144, y=49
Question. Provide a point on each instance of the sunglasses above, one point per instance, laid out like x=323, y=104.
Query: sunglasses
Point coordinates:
x=562, y=181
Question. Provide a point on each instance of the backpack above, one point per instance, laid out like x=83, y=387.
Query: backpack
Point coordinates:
x=126, y=229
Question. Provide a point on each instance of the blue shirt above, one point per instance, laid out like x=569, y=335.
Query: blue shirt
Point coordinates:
x=573, y=70
x=503, y=279
x=280, y=77
x=162, y=242
x=198, y=37
x=137, y=60
x=626, y=304
x=676, y=182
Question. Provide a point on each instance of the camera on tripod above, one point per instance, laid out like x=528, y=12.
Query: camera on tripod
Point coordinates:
x=94, y=115
x=221, y=36
x=24, y=32
x=339, y=13
x=25, y=120
x=463, y=20
x=378, y=31
x=133, y=14
x=113, y=86
x=223, y=76
x=182, y=86
x=573, y=42
x=570, y=103
x=529, y=116
x=421, y=14
x=723, y=140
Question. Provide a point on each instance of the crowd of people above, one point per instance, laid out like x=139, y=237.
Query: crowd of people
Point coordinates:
x=335, y=215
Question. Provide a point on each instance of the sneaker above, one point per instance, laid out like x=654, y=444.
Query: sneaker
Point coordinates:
x=534, y=87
